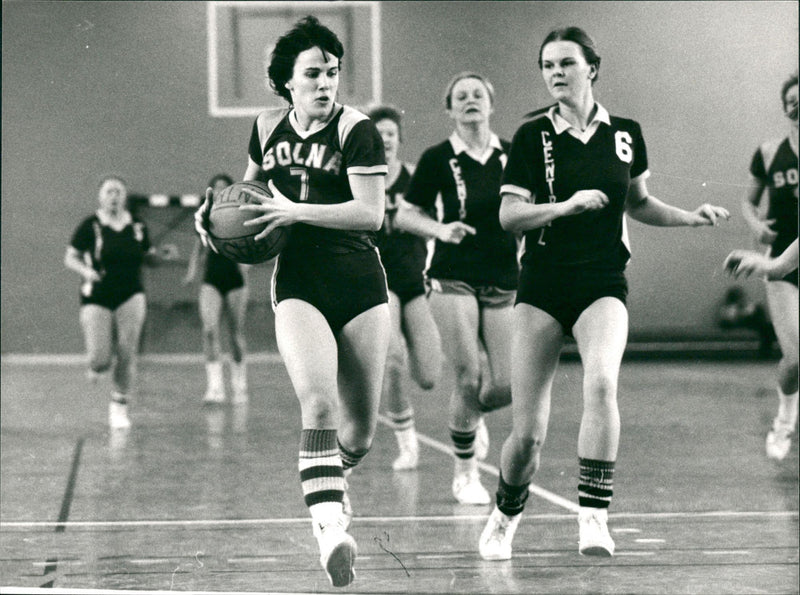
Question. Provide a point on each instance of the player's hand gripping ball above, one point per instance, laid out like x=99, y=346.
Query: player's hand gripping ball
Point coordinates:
x=227, y=232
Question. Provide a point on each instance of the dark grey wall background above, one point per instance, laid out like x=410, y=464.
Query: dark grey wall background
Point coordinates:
x=95, y=87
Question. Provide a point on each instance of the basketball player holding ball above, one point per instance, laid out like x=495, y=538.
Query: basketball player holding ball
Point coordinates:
x=324, y=164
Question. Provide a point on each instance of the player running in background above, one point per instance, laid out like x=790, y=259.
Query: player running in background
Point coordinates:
x=774, y=167
x=415, y=338
x=572, y=173
x=223, y=291
x=108, y=250
x=325, y=166
x=473, y=271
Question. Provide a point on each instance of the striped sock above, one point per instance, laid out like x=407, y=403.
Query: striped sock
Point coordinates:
x=463, y=443
x=511, y=499
x=320, y=467
x=350, y=458
x=401, y=421
x=596, y=483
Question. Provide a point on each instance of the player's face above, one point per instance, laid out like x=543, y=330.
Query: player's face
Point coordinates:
x=790, y=103
x=390, y=133
x=112, y=196
x=219, y=186
x=470, y=101
x=566, y=73
x=314, y=83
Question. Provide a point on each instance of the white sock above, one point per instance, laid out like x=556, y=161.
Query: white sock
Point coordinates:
x=325, y=512
x=787, y=408
x=214, y=375
x=239, y=376
x=407, y=439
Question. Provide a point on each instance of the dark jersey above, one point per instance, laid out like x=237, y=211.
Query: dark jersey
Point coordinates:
x=117, y=256
x=395, y=245
x=775, y=164
x=547, y=164
x=469, y=191
x=312, y=166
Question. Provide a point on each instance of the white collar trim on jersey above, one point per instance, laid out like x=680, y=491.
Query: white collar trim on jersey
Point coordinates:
x=560, y=123
x=115, y=224
x=459, y=146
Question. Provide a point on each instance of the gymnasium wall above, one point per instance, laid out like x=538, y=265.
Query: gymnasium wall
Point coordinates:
x=95, y=87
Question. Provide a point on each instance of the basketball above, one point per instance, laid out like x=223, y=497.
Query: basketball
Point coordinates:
x=228, y=234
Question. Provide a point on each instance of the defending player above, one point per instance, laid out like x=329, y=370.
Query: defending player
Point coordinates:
x=325, y=165
x=774, y=167
x=224, y=290
x=473, y=271
x=572, y=172
x=414, y=331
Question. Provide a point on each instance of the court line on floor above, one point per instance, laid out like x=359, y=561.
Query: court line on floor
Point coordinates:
x=533, y=488
x=714, y=514
x=51, y=565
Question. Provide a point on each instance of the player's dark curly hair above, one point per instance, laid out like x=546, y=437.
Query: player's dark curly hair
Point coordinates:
x=579, y=36
x=788, y=84
x=387, y=112
x=306, y=34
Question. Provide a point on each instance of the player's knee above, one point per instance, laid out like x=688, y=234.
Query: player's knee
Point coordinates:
x=468, y=380
x=600, y=389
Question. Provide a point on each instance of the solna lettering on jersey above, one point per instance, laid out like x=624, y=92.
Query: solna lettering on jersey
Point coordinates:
x=314, y=155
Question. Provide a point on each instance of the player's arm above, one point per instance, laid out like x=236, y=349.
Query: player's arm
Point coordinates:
x=364, y=212
x=743, y=263
x=760, y=228
x=195, y=258
x=519, y=214
x=73, y=260
x=414, y=219
x=645, y=208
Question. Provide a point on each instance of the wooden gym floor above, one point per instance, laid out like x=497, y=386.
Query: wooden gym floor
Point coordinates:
x=207, y=499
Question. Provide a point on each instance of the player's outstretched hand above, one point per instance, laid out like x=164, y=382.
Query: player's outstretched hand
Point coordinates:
x=201, y=218
x=707, y=214
x=743, y=263
x=454, y=232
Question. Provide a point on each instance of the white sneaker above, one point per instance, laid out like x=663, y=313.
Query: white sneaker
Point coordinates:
x=118, y=416
x=595, y=539
x=467, y=488
x=481, y=441
x=337, y=553
x=214, y=395
x=495, y=541
x=779, y=441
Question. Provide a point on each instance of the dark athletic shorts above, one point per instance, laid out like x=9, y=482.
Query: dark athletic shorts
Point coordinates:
x=340, y=286
x=565, y=292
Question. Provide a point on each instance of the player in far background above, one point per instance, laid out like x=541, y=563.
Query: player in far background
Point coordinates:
x=223, y=291
x=415, y=338
x=473, y=270
x=325, y=167
x=108, y=250
x=774, y=168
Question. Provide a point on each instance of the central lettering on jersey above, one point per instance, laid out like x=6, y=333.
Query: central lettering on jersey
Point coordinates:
x=549, y=175
x=314, y=155
x=461, y=188
x=549, y=164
